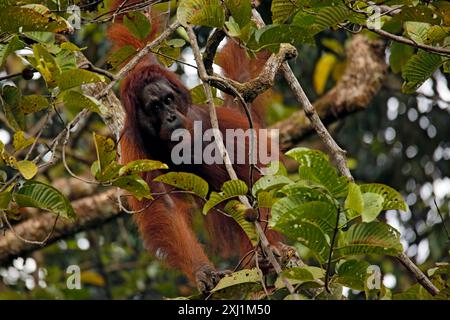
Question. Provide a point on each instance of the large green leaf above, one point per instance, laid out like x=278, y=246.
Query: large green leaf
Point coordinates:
x=119, y=56
x=369, y=238
x=106, y=150
x=33, y=103
x=299, y=275
x=314, y=166
x=138, y=24
x=419, y=68
x=33, y=17
x=296, y=208
x=267, y=183
x=352, y=273
x=45, y=63
x=393, y=200
x=6, y=49
x=135, y=185
x=354, y=200
x=143, y=165
x=106, y=167
x=40, y=195
x=185, y=181
x=77, y=77
x=241, y=10
x=21, y=142
x=283, y=9
x=230, y=189
x=237, y=211
x=78, y=101
x=11, y=97
x=308, y=234
x=400, y=54
x=238, y=284
x=208, y=13
x=373, y=204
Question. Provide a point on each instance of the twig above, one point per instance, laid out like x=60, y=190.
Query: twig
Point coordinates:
x=9, y=76
x=418, y=274
x=400, y=39
x=39, y=243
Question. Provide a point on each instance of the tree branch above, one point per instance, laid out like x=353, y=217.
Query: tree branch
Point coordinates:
x=352, y=93
x=91, y=212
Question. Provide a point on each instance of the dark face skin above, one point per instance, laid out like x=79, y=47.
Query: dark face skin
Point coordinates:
x=161, y=110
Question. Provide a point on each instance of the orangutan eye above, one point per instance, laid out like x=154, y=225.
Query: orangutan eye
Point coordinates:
x=168, y=99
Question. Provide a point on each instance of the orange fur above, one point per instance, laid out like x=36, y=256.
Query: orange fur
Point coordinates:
x=165, y=223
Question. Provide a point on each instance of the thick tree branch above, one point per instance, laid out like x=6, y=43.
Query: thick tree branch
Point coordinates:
x=91, y=212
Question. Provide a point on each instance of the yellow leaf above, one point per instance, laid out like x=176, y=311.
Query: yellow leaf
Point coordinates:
x=322, y=71
x=27, y=168
x=20, y=142
x=339, y=70
x=92, y=278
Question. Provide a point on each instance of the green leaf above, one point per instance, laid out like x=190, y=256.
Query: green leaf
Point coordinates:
x=11, y=99
x=393, y=200
x=41, y=36
x=299, y=275
x=418, y=69
x=415, y=292
x=33, y=17
x=78, y=101
x=6, y=49
x=373, y=204
x=400, y=54
x=309, y=234
x=33, y=103
x=5, y=199
x=271, y=36
x=265, y=199
x=268, y=183
x=168, y=55
x=20, y=142
x=135, y=185
x=208, y=13
x=119, y=56
x=198, y=94
x=237, y=278
x=138, y=24
x=27, y=168
x=66, y=60
x=176, y=43
x=368, y=238
x=139, y=166
x=230, y=189
x=314, y=166
x=352, y=273
x=417, y=31
x=185, y=181
x=354, y=201
x=77, y=77
x=237, y=211
x=312, y=206
x=45, y=63
x=70, y=46
x=106, y=150
x=241, y=11
x=283, y=9
x=40, y=195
